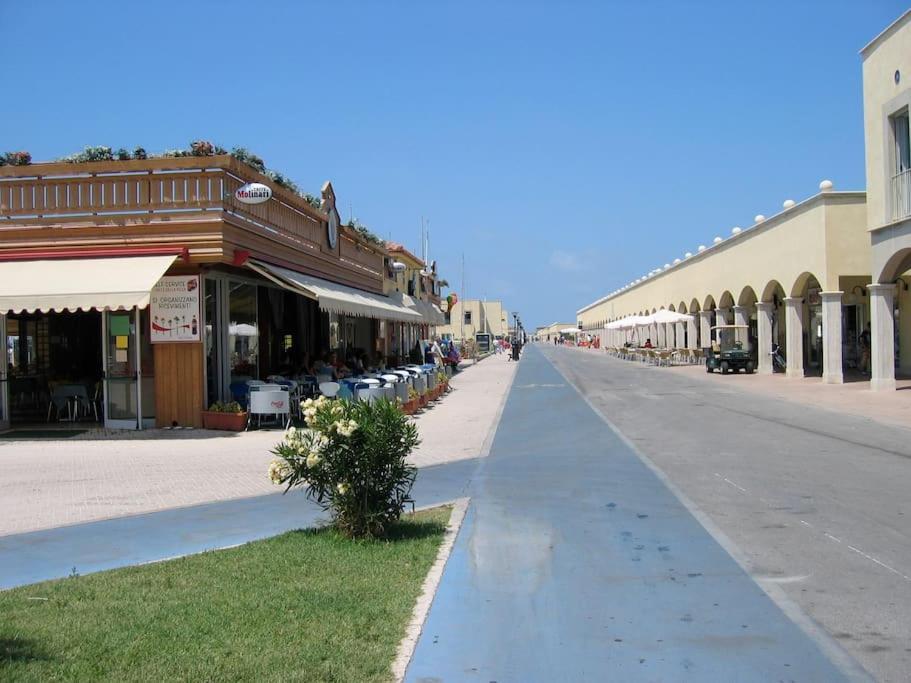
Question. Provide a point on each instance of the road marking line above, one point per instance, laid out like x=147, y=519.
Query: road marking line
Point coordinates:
x=806, y=524
x=828, y=535
x=881, y=564
x=739, y=488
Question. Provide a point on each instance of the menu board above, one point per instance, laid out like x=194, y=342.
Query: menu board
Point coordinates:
x=174, y=310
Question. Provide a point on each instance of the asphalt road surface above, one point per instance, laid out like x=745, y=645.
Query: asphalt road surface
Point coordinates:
x=816, y=504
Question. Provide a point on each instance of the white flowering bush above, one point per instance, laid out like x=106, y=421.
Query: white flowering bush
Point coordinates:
x=351, y=457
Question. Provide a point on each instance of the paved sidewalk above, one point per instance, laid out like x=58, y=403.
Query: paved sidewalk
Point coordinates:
x=462, y=425
x=854, y=397
x=577, y=563
x=47, y=484
x=110, y=543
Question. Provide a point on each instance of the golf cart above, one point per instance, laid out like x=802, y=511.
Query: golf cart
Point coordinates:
x=727, y=353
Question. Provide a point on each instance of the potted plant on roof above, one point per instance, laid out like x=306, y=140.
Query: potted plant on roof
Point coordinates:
x=227, y=416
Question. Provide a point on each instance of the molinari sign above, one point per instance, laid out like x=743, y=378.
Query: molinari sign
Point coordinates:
x=174, y=310
x=253, y=193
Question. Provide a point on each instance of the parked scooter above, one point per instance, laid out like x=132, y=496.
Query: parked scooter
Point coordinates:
x=778, y=361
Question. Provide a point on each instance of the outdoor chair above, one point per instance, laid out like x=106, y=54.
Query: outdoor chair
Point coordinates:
x=273, y=402
x=664, y=358
x=329, y=389
x=370, y=394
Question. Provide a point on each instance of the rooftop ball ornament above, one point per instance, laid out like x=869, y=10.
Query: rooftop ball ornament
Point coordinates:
x=717, y=240
x=688, y=254
x=758, y=218
x=701, y=247
x=736, y=230
x=788, y=204
x=826, y=186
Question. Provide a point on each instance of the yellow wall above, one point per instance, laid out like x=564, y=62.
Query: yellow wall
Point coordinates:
x=823, y=236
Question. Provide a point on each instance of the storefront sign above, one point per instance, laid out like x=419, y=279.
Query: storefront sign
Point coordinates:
x=253, y=193
x=174, y=309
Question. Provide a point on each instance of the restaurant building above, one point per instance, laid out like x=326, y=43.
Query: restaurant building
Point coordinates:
x=160, y=285
x=413, y=283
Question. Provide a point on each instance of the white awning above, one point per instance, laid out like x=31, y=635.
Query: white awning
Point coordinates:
x=430, y=312
x=337, y=298
x=80, y=284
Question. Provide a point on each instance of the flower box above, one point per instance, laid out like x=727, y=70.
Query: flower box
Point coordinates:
x=410, y=407
x=230, y=422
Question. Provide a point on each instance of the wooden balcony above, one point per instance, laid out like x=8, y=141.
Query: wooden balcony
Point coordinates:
x=186, y=201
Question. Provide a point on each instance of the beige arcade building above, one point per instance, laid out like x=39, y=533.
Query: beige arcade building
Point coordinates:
x=814, y=277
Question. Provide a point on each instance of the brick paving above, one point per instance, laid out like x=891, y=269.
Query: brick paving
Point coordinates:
x=104, y=474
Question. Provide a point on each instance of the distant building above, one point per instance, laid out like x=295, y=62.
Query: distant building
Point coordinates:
x=472, y=316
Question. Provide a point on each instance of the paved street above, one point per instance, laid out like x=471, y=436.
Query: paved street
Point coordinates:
x=816, y=501
x=578, y=562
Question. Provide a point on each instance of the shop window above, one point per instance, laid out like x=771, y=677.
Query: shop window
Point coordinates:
x=901, y=170
x=243, y=331
x=468, y=317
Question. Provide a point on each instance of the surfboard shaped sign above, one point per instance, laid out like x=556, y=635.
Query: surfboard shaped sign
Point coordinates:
x=253, y=193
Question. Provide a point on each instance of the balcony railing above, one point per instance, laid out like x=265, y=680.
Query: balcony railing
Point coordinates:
x=901, y=195
x=63, y=195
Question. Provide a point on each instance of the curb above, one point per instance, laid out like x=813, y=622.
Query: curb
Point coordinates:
x=407, y=645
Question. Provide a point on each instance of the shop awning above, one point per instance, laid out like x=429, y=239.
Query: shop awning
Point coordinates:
x=337, y=298
x=430, y=312
x=80, y=284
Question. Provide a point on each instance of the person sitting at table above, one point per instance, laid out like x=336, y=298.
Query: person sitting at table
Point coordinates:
x=306, y=366
x=341, y=370
x=648, y=344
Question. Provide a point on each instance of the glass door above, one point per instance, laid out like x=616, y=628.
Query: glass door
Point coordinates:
x=122, y=376
x=4, y=377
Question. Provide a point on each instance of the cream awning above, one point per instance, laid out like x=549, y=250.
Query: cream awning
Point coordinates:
x=430, y=313
x=337, y=298
x=80, y=284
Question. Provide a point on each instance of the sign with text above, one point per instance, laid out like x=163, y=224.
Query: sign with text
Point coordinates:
x=174, y=309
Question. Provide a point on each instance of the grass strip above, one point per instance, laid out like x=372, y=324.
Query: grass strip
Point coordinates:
x=304, y=606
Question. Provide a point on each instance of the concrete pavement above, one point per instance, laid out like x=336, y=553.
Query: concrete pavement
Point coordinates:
x=576, y=562
x=815, y=499
x=52, y=483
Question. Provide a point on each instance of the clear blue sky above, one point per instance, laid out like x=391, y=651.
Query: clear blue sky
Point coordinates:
x=565, y=148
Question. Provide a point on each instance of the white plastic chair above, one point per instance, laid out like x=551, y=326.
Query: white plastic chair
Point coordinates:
x=274, y=402
x=329, y=389
x=370, y=395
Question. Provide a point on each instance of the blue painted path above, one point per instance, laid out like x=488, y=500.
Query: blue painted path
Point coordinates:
x=95, y=546
x=576, y=563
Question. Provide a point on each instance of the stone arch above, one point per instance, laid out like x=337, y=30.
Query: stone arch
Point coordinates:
x=747, y=297
x=694, y=306
x=898, y=263
x=773, y=290
x=708, y=303
x=726, y=300
x=800, y=284
x=671, y=308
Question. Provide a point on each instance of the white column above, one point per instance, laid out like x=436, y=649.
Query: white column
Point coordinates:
x=721, y=316
x=882, y=337
x=794, y=315
x=4, y=385
x=705, y=329
x=831, y=338
x=742, y=317
x=764, y=336
x=681, y=335
x=660, y=338
x=670, y=336
x=692, y=342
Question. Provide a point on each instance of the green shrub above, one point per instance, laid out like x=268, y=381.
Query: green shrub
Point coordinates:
x=225, y=407
x=352, y=459
x=18, y=158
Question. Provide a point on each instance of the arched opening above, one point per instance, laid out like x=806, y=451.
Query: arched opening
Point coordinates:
x=745, y=314
x=807, y=288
